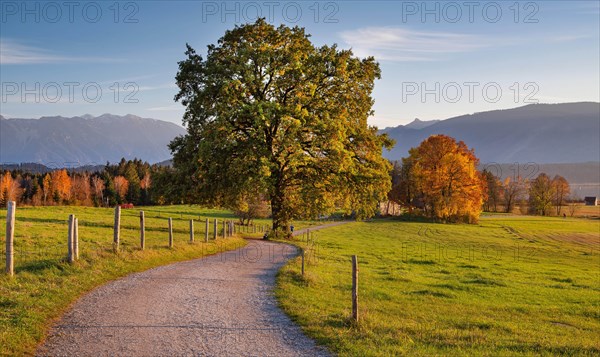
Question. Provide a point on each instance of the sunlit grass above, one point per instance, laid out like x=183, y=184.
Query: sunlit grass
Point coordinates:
x=508, y=286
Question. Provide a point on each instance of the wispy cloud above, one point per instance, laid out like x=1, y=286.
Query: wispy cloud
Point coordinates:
x=399, y=44
x=159, y=86
x=13, y=52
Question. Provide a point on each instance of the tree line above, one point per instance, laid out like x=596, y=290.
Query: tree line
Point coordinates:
x=542, y=195
x=129, y=181
x=439, y=179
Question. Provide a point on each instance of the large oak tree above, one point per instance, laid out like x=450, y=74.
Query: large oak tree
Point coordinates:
x=269, y=113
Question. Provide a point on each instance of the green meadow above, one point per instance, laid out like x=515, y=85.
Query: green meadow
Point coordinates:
x=508, y=286
x=511, y=285
x=45, y=284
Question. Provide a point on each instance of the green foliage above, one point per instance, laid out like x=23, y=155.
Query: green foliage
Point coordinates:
x=541, y=194
x=268, y=112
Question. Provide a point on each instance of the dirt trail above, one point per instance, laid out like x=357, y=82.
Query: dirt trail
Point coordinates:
x=220, y=305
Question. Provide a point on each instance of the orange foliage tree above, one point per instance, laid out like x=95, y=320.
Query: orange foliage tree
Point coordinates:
x=10, y=189
x=60, y=186
x=81, y=190
x=445, y=174
x=121, y=186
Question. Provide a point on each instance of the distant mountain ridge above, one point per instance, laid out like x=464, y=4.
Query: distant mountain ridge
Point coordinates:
x=420, y=124
x=541, y=133
x=87, y=140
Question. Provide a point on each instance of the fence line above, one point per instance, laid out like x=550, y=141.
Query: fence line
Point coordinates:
x=129, y=233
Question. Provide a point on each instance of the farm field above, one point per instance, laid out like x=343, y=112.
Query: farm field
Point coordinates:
x=45, y=285
x=513, y=285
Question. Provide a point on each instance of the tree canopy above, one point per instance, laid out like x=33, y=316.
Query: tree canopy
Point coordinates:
x=443, y=176
x=269, y=113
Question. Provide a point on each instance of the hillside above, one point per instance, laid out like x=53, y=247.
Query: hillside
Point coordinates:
x=86, y=140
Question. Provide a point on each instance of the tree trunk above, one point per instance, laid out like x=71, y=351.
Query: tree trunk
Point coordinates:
x=279, y=211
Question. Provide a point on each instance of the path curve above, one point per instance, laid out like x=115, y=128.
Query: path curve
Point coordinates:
x=221, y=305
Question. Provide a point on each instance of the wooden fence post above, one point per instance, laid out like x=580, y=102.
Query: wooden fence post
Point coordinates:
x=70, y=238
x=215, y=228
x=191, y=231
x=117, y=228
x=302, y=262
x=10, y=237
x=224, y=231
x=76, y=240
x=355, y=288
x=142, y=230
x=206, y=233
x=170, y=232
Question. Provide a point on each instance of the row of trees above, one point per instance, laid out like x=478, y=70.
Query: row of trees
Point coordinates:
x=128, y=181
x=542, y=195
x=438, y=178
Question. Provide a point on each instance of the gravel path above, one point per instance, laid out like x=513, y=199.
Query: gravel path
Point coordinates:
x=221, y=305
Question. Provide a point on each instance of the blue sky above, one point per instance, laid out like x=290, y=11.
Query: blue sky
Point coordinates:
x=438, y=59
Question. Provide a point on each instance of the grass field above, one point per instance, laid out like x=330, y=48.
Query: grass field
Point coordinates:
x=45, y=285
x=508, y=286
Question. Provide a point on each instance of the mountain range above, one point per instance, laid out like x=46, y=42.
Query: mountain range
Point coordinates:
x=85, y=140
x=540, y=133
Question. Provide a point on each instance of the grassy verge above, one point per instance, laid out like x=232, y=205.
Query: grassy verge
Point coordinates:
x=508, y=286
x=45, y=285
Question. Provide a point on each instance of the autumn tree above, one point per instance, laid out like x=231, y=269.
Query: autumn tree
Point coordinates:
x=267, y=111
x=444, y=172
x=81, y=191
x=561, y=190
x=2, y=185
x=541, y=194
x=60, y=187
x=10, y=189
x=513, y=191
x=121, y=187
